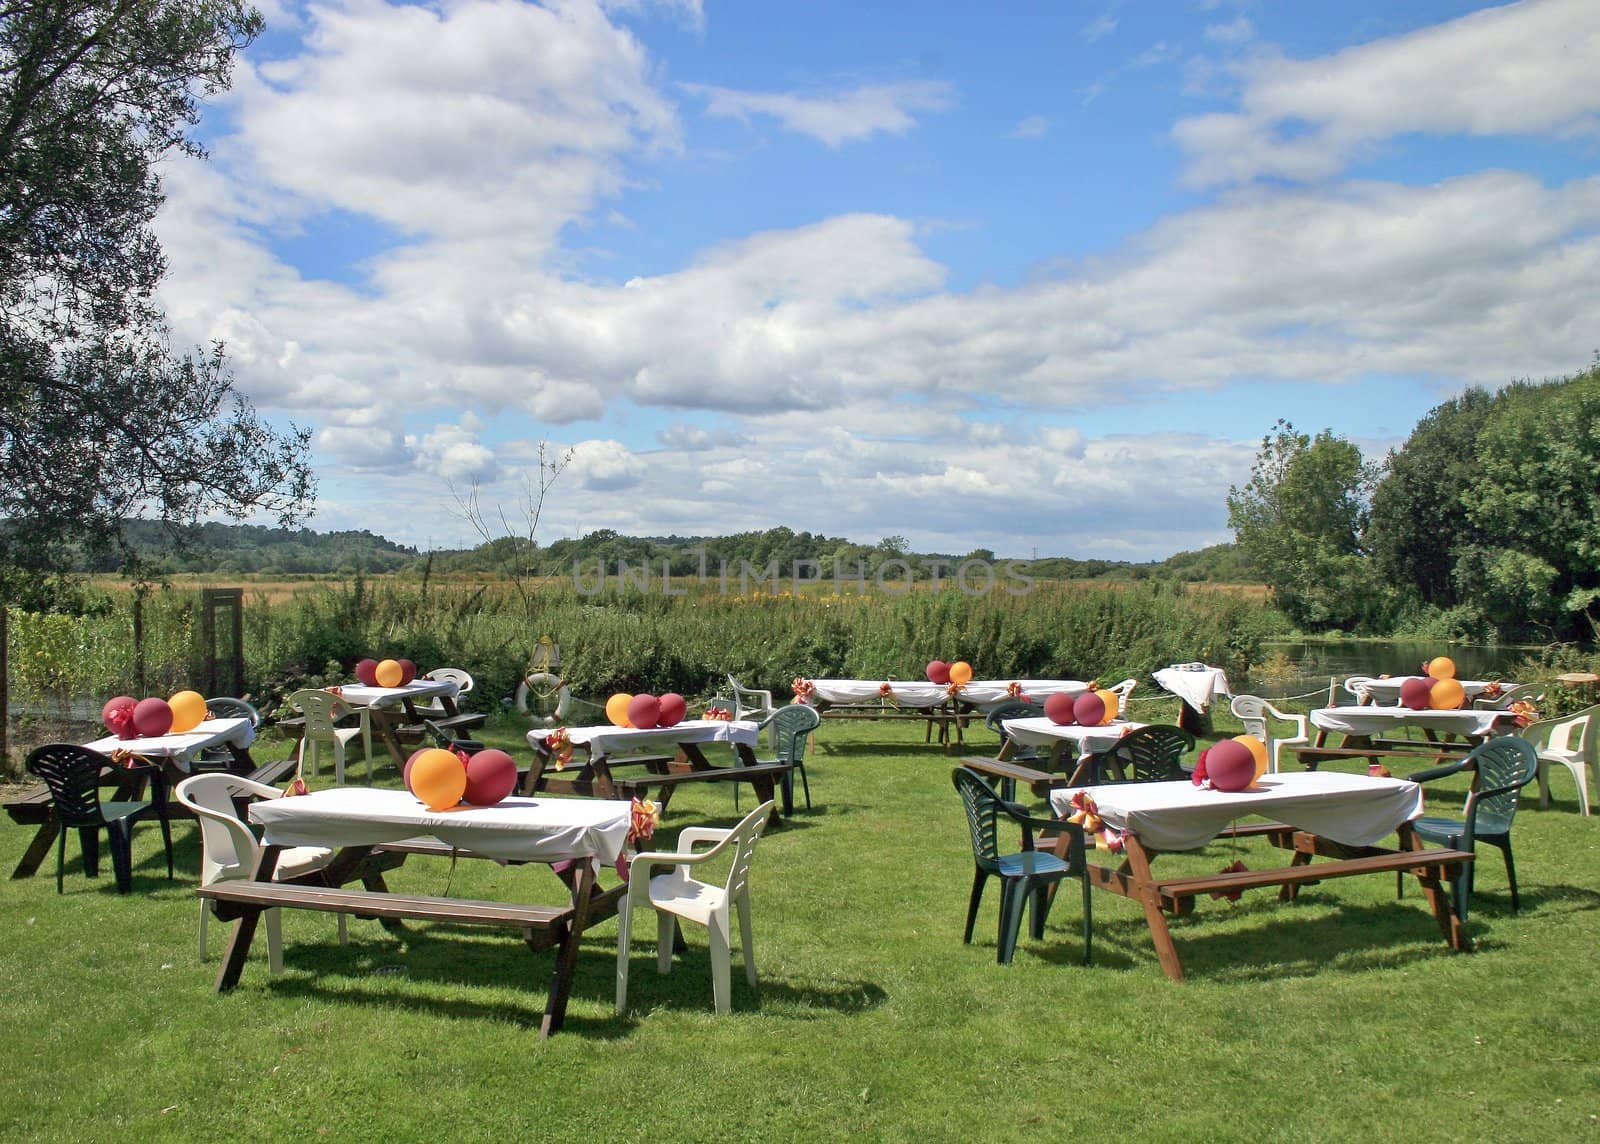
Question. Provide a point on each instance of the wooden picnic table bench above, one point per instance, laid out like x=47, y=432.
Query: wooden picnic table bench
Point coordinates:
x=945, y=717
x=1040, y=783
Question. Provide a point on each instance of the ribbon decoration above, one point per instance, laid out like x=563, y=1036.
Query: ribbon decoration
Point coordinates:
x=1524, y=712
x=803, y=689
x=719, y=713
x=1492, y=690
x=334, y=689
x=125, y=758
x=1014, y=690
x=1087, y=815
x=1234, y=867
x=559, y=743
x=120, y=722
x=644, y=815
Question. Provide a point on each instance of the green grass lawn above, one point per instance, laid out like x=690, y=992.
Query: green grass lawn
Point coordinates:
x=1343, y=1016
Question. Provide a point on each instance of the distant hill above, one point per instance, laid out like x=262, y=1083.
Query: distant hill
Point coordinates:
x=255, y=549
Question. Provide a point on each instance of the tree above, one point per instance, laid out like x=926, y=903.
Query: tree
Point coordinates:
x=1299, y=521
x=100, y=419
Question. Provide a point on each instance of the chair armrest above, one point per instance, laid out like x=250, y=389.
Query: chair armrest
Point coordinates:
x=1439, y=772
x=689, y=835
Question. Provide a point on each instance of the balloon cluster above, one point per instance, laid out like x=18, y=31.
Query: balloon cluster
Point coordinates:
x=1091, y=709
x=386, y=672
x=1439, y=689
x=644, y=712
x=1231, y=764
x=942, y=673
x=441, y=779
x=130, y=718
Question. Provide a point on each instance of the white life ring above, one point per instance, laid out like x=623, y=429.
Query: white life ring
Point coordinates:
x=543, y=685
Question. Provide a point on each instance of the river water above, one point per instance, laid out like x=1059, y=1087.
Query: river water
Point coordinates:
x=1299, y=667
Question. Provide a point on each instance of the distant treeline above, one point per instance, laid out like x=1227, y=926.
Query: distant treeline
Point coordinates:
x=254, y=549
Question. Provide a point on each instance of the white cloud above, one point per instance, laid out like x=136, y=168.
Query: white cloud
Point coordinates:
x=605, y=466
x=1099, y=28
x=833, y=118
x=1031, y=127
x=1525, y=68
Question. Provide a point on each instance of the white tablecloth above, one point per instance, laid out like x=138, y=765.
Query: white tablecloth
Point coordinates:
x=1197, y=688
x=1039, y=731
x=1357, y=810
x=516, y=829
x=1388, y=690
x=1374, y=720
x=360, y=695
x=608, y=739
x=181, y=749
x=910, y=693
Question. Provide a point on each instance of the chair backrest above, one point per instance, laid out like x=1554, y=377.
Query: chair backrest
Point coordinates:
x=322, y=710
x=1533, y=692
x=1356, y=686
x=1010, y=709
x=748, y=700
x=227, y=707
x=1153, y=754
x=1251, y=710
x=455, y=675
x=228, y=847
x=791, y=729
x=983, y=816
x=743, y=840
x=73, y=775
x=1505, y=765
x=1123, y=691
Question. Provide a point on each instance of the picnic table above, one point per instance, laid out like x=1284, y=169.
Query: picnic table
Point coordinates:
x=1368, y=731
x=1327, y=814
x=156, y=761
x=394, y=715
x=944, y=709
x=1085, y=742
x=607, y=771
x=574, y=836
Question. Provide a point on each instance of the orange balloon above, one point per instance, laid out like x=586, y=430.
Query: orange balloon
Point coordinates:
x=1446, y=695
x=389, y=673
x=1109, y=698
x=188, y=711
x=1258, y=749
x=438, y=778
x=961, y=672
x=617, y=709
x=1442, y=667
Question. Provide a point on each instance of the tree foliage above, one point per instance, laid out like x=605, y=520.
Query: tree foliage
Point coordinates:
x=100, y=420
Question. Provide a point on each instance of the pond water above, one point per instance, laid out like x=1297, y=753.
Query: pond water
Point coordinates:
x=1307, y=664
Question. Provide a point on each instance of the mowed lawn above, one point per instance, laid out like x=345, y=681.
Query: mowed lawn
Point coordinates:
x=1343, y=1016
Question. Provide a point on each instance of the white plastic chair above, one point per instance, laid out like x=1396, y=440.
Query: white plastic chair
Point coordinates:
x=1254, y=712
x=748, y=703
x=1532, y=692
x=1569, y=741
x=229, y=850
x=1123, y=690
x=676, y=895
x=1356, y=685
x=322, y=711
x=462, y=679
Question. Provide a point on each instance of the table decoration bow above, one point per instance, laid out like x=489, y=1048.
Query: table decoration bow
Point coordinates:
x=559, y=744
x=719, y=713
x=803, y=689
x=1524, y=712
x=1087, y=815
x=1014, y=690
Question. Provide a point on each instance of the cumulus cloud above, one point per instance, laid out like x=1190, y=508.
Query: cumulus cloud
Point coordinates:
x=834, y=118
x=1523, y=68
x=1031, y=127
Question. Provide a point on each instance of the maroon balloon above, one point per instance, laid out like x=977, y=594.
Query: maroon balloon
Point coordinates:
x=1230, y=765
x=119, y=703
x=1414, y=692
x=1089, y=709
x=673, y=708
x=938, y=672
x=152, y=717
x=408, y=671
x=1058, y=709
x=491, y=775
x=644, y=711
x=405, y=773
x=366, y=672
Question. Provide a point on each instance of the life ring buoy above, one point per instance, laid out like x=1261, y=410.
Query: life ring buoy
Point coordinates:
x=542, y=685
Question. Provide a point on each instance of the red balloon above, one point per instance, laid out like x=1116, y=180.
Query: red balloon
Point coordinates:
x=120, y=703
x=366, y=672
x=1414, y=692
x=1230, y=765
x=644, y=711
x=491, y=775
x=673, y=708
x=405, y=772
x=1058, y=709
x=152, y=717
x=938, y=672
x=1089, y=709
x=408, y=671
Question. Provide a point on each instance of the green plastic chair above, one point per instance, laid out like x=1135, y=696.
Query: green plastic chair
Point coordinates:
x=73, y=775
x=1152, y=754
x=1037, y=757
x=1028, y=877
x=790, y=728
x=1501, y=768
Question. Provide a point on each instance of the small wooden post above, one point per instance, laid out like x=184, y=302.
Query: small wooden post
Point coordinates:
x=5, y=691
x=222, y=677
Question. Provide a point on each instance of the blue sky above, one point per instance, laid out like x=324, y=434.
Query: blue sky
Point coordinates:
x=1018, y=277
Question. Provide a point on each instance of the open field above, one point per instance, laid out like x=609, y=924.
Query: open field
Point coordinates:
x=1340, y=1017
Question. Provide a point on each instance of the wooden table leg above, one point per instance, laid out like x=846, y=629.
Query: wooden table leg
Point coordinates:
x=38, y=850
x=244, y=930
x=1138, y=864
x=555, y=1010
x=1431, y=879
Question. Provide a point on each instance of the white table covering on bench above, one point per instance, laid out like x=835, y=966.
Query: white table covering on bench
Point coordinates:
x=1039, y=731
x=182, y=748
x=360, y=695
x=911, y=693
x=514, y=830
x=1374, y=720
x=1387, y=691
x=608, y=740
x=1196, y=686
x=1356, y=810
